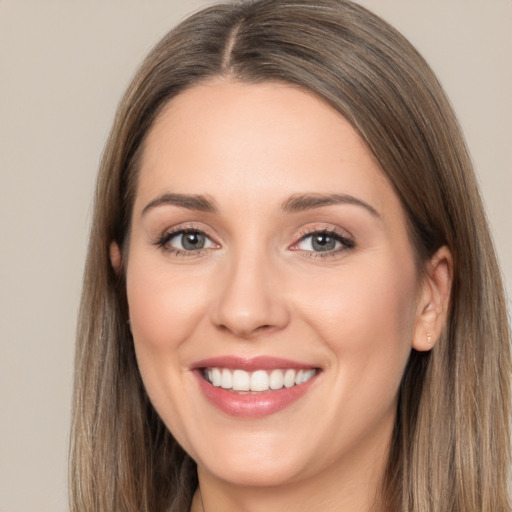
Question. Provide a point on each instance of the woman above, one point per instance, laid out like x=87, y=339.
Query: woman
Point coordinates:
x=291, y=298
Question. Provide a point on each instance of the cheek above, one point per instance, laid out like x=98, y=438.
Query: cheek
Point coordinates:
x=164, y=306
x=366, y=298
x=365, y=317
x=165, y=310
x=365, y=314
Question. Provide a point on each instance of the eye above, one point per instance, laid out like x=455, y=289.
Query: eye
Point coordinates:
x=187, y=240
x=323, y=241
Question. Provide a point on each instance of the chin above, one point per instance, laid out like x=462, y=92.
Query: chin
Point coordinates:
x=252, y=473
x=256, y=460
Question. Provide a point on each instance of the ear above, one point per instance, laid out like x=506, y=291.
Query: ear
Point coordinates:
x=434, y=300
x=115, y=257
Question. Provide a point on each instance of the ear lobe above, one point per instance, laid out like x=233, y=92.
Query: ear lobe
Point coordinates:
x=115, y=257
x=434, y=300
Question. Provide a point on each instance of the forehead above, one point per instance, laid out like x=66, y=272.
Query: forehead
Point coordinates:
x=257, y=142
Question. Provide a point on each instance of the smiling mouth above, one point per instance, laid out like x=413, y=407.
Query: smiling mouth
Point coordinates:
x=257, y=381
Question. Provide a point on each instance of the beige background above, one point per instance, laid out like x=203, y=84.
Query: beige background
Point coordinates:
x=63, y=67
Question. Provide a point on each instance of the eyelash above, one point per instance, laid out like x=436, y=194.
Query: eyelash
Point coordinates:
x=346, y=243
x=163, y=241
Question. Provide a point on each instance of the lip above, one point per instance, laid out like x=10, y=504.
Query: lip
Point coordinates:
x=250, y=364
x=247, y=404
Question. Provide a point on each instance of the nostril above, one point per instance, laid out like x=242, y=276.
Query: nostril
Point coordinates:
x=247, y=333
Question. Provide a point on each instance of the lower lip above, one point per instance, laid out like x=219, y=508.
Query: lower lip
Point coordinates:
x=252, y=405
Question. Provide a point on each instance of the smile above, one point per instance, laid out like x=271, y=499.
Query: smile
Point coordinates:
x=255, y=387
x=259, y=380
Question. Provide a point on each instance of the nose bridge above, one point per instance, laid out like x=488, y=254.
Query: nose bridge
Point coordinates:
x=249, y=298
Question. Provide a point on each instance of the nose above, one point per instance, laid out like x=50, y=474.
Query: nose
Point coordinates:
x=251, y=299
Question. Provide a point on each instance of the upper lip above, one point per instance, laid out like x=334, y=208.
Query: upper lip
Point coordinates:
x=250, y=364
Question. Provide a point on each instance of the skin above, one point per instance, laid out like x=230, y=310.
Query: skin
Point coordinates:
x=258, y=288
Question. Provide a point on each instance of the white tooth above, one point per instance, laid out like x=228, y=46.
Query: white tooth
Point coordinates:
x=299, y=377
x=216, y=377
x=226, y=380
x=259, y=381
x=240, y=380
x=308, y=375
x=208, y=375
x=289, y=378
x=276, y=380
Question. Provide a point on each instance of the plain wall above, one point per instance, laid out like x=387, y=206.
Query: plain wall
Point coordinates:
x=63, y=68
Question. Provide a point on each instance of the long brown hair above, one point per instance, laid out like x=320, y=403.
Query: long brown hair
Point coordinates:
x=450, y=449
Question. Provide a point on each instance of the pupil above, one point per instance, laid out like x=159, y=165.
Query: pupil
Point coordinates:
x=323, y=243
x=193, y=241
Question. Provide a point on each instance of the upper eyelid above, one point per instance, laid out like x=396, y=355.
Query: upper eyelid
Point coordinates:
x=175, y=234
x=163, y=237
x=185, y=227
x=169, y=232
x=347, y=240
x=163, y=242
x=342, y=233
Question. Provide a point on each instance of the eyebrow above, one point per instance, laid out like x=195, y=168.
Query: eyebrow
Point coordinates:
x=196, y=202
x=302, y=202
x=296, y=203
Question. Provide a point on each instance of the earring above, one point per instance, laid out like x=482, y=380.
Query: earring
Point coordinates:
x=429, y=339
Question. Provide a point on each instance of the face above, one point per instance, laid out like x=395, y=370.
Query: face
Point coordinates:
x=271, y=283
